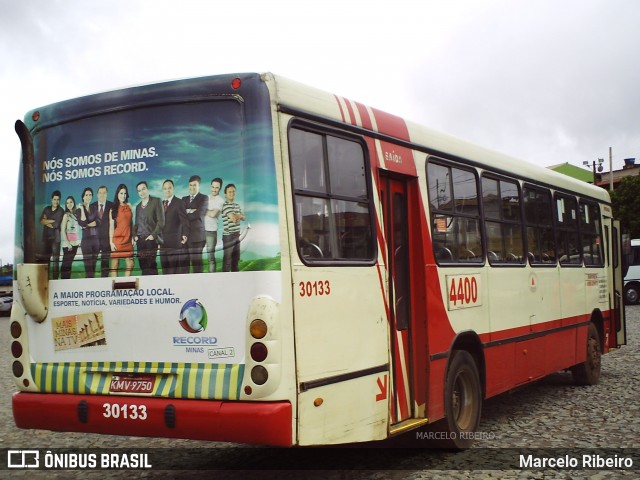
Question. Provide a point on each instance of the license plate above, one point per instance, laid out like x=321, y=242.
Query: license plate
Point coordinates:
x=132, y=384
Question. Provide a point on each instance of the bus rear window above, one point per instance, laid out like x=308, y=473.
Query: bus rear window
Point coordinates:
x=161, y=159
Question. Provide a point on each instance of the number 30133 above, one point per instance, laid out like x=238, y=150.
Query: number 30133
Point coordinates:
x=125, y=411
x=314, y=289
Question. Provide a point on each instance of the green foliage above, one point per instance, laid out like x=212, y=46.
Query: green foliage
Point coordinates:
x=626, y=205
x=263, y=264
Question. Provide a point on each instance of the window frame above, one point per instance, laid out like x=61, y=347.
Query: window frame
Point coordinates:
x=433, y=211
x=328, y=196
x=560, y=230
x=502, y=221
x=551, y=226
x=599, y=234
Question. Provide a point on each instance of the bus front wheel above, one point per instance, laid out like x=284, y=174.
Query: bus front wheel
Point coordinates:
x=588, y=372
x=462, y=400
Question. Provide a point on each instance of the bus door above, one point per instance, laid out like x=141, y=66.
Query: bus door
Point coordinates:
x=393, y=195
x=618, y=284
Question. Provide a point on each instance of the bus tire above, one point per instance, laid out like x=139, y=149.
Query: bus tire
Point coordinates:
x=632, y=294
x=588, y=372
x=462, y=400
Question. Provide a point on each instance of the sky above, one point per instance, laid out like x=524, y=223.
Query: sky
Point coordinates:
x=548, y=81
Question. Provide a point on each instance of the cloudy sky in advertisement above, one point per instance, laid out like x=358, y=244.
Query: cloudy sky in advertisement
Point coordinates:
x=545, y=80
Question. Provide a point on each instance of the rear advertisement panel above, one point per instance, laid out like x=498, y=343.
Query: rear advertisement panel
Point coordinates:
x=160, y=225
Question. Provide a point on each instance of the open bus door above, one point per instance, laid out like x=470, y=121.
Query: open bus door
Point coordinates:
x=618, y=285
x=407, y=404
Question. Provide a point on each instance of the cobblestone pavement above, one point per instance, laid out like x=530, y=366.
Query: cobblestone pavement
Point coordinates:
x=552, y=413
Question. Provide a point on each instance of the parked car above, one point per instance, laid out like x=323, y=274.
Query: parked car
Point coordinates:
x=5, y=305
x=632, y=275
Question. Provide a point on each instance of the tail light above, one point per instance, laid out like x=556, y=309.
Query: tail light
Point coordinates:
x=263, y=369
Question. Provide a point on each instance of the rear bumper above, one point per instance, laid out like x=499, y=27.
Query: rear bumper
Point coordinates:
x=266, y=423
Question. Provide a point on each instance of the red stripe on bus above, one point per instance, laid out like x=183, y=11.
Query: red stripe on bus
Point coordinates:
x=397, y=158
x=365, y=118
x=391, y=125
x=541, y=328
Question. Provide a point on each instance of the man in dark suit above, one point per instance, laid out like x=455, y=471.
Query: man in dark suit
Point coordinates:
x=196, y=204
x=174, y=233
x=147, y=229
x=102, y=209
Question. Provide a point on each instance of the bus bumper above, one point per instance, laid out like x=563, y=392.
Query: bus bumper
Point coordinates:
x=261, y=423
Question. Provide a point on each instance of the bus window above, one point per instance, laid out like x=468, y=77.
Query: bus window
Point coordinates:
x=502, y=221
x=308, y=168
x=568, y=239
x=538, y=218
x=455, y=217
x=590, y=231
x=332, y=203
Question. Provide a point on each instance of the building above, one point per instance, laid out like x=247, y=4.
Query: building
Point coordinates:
x=573, y=171
x=602, y=179
x=630, y=169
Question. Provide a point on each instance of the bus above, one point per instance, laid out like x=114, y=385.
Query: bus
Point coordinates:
x=243, y=258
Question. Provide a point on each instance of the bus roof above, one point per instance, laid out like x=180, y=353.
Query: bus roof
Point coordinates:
x=304, y=98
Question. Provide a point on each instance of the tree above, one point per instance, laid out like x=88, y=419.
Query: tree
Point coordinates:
x=626, y=205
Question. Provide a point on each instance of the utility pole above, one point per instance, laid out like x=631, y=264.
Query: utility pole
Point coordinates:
x=610, y=169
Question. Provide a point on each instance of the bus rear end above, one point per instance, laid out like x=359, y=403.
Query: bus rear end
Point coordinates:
x=149, y=289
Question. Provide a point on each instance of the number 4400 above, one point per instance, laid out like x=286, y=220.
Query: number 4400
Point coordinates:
x=463, y=291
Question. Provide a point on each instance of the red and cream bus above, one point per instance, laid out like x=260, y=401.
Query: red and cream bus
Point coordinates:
x=244, y=258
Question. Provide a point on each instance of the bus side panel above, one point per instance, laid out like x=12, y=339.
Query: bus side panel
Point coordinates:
x=341, y=336
x=500, y=373
x=341, y=341
x=435, y=402
x=439, y=334
x=350, y=411
x=507, y=310
x=556, y=354
x=573, y=293
x=532, y=358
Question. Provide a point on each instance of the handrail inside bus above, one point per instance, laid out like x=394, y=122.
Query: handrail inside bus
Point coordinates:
x=28, y=193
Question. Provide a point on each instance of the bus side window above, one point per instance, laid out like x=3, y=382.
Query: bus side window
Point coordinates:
x=567, y=235
x=591, y=235
x=503, y=221
x=331, y=197
x=541, y=248
x=455, y=216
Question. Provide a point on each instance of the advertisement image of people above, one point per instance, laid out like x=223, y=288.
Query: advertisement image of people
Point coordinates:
x=169, y=189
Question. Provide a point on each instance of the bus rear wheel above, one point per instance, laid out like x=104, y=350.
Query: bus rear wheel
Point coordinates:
x=462, y=400
x=588, y=372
